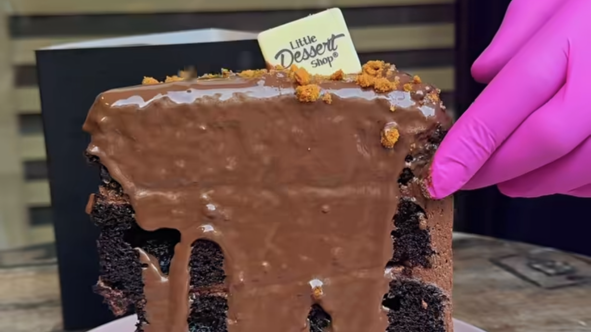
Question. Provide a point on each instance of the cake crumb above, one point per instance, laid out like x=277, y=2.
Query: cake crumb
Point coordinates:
x=398, y=269
x=316, y=285
x=188, y=73
x=252, y=73
x=422, y=222
x=434, y=96
x=392, y=108
x=308, y=93
x=173, y=78
x=327, y=98
x=408, y=87
x=431, y=260
x=391, y=69
x=416, y=79
x=383, y=84
x=372, y=76
x=317, y=293
x=317, y=78
x=206, y=76
x=337, y=75
x=302, y=76
x=374, y=68
x=425, y=184
x=365, y=80
x=390, y=135
x=149, y=80
x=247, y=73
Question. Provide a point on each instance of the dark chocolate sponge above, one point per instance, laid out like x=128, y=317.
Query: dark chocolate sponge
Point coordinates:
x=406, y=176
x=414, y=307
x=120, y=269
x=209, y=309
x=208, y=314
x=121, y=282
x=207, y=264
x=412, y=245
x=318, y=319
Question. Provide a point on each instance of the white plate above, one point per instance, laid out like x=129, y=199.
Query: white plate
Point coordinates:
x=127, y=324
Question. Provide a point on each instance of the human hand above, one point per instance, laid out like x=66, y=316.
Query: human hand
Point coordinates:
x=528, y=132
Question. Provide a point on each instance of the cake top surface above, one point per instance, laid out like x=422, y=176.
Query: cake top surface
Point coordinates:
x=377, y=80
x=293, y=175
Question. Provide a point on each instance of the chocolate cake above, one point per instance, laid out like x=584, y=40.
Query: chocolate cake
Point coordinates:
x=273, y=200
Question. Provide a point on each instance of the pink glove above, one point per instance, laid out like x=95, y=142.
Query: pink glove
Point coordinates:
x=528, y=132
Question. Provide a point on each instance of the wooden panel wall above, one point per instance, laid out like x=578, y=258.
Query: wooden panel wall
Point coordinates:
x=416, y=35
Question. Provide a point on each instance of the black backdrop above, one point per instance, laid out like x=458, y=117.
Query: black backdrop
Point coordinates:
x=557, y=221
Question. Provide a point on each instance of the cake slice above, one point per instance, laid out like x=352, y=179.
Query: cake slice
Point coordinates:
x=273, y=200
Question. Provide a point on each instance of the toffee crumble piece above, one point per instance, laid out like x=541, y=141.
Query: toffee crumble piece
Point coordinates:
x=269, y=199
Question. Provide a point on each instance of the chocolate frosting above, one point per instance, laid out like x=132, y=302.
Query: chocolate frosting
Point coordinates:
x=300, y=196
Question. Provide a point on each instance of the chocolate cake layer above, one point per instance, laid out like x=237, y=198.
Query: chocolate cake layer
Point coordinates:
x=303, y=182
x=121, y=281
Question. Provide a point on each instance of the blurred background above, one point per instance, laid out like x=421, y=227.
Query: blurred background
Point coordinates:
x=436, y=39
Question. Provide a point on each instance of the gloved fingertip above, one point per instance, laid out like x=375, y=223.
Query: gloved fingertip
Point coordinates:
x=510, y=191
x=482, y=71
x=434, y=194
x=442, y=182
x=584, y=191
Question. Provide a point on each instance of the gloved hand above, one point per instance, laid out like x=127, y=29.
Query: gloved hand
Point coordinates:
x=528, y=132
